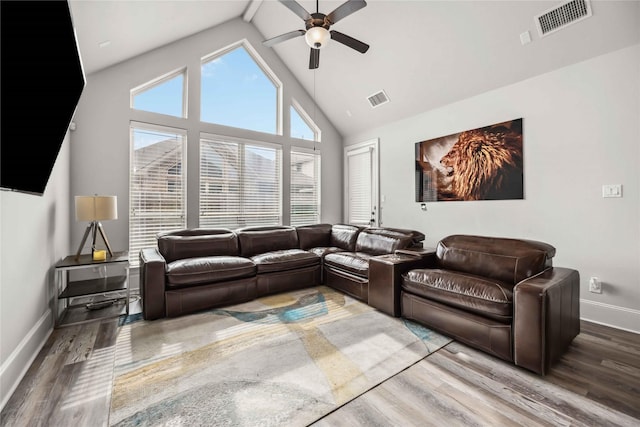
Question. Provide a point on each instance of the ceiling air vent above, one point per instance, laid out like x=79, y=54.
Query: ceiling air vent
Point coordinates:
x=378, y=99
x=561, y=16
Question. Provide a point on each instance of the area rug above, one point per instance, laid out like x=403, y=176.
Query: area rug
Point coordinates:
x=287, y=359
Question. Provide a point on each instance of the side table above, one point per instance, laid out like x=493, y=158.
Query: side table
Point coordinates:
x=104, y=293
x=385, y=278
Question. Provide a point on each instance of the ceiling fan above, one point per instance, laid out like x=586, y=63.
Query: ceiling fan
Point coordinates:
x=317, y=33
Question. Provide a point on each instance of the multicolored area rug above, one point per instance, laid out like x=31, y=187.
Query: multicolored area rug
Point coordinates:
x=287, y=359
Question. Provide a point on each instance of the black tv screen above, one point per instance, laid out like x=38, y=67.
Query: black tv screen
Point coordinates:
x=41, y=82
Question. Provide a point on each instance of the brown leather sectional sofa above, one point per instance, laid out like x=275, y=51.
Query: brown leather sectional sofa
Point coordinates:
x=502, y=296
x=197, y=269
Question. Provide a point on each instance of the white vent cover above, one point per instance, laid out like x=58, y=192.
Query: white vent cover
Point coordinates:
x=378, y=99
x=561, y=16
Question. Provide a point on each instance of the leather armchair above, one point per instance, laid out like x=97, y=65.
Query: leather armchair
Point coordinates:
x=502, y=296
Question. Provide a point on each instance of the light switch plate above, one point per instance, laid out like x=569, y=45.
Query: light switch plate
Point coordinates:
x=612, y=190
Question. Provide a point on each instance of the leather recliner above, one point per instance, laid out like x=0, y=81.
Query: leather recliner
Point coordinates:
x=500, y=295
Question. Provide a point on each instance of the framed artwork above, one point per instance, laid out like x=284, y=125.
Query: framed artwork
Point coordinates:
x=478, y=164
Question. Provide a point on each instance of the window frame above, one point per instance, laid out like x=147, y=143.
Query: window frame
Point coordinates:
x=136, y=125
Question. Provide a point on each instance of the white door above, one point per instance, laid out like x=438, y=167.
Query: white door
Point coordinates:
x=361, y=184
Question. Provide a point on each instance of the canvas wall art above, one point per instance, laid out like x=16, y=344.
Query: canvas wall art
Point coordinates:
x=479, y=164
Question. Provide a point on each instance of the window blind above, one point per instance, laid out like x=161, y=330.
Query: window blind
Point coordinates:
x=359, y=186
x=240, y=183
x=305, y=187
x=157, y=186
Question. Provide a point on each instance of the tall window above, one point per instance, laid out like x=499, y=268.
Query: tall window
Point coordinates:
x=305, y=187
x=238, y=90
x=240, y=183
x=157, y=185
x=164, y=95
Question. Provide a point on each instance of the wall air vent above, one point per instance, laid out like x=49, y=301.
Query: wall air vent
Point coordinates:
x=561, y=16
x=378, y=99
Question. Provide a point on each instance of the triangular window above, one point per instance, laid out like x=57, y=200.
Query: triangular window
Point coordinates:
x=239, y=90
x=164, y=95
x=301, y=125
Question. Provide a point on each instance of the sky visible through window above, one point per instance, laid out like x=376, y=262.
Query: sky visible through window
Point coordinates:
x=300, y=128
x=235, y=92
x=164, y=98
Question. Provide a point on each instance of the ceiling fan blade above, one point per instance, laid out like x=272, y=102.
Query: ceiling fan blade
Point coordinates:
x=297, y=9
x=283, y=37
x=314, y=59
x=345, y=10
x=349, y=41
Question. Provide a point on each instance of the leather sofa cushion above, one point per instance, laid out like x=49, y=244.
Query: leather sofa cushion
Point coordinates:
x=344, y=236
x=200, y=242
x=205, y=270
x=490, y=298
x=353, y=262
x=417, y=237
x=323, y=251
x=288, y=259
x=503, y=259
x=377, y=243
x=259, y=240
x=314, y=236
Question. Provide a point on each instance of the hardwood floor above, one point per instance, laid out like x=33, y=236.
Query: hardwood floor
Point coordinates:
x=596, y=383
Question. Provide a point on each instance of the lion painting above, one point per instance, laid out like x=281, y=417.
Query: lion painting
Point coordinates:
x=479, y=164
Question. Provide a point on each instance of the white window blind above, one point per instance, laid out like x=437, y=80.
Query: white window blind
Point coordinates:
x=305, y=187
x=240, y=183
x=359, y=186
x=157, y=185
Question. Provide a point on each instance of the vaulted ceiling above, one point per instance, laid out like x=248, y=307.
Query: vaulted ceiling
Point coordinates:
x=423, y=54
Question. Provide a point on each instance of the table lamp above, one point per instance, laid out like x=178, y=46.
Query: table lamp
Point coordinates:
x=95, y=209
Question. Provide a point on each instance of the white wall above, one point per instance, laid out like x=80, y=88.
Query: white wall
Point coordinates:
x=100, y=145
x=581, y=130
x=34, y=235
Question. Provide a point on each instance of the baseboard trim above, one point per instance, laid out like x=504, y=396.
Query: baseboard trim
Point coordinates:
x=626, y=319
x=15, y=367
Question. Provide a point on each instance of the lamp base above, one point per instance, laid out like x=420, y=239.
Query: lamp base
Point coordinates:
x=94, y=227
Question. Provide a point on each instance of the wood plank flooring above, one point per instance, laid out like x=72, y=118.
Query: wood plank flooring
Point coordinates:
x=596, y=383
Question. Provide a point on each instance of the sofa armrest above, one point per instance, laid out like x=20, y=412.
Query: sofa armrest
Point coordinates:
x=546, y=317
x=152, y=283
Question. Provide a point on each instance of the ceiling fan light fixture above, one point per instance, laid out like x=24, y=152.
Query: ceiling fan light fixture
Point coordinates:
x=317, y=37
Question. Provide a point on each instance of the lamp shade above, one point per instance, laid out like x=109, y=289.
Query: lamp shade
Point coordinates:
x=317, y=37
x=96, y=208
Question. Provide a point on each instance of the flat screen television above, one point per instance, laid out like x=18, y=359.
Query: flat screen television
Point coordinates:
x=41, y=82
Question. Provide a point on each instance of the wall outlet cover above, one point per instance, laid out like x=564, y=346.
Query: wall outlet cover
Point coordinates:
x=612, y=190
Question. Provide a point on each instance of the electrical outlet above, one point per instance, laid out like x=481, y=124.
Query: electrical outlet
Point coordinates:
x=595, y=286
